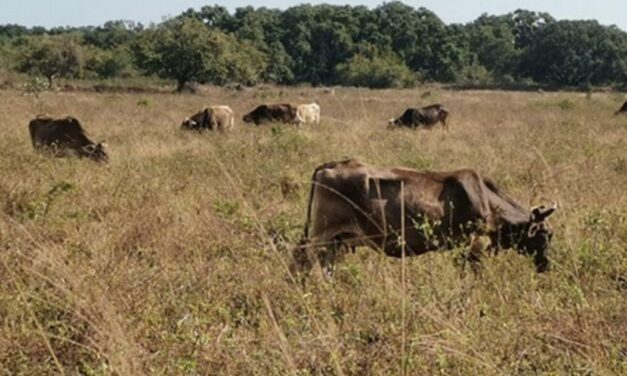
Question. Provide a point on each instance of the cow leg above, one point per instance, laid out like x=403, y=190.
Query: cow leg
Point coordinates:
x=478, y=246
x=303, y=257
x=327, y=253
x=331, y=254
x=443, y=119
x=541, y=262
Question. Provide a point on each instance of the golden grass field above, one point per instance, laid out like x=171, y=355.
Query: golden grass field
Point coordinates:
x=173, y=259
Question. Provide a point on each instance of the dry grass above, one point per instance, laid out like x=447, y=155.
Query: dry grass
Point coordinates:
x=161, y=262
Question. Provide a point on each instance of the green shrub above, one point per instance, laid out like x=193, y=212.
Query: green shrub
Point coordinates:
x=566, y=105
x=376, y=72
x=109, y=63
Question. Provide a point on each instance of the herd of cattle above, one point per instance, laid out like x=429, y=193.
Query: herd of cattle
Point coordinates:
x=66, y=136
x=400, y=211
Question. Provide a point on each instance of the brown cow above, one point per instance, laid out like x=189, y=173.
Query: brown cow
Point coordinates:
x=269, y=113
x=352, y=204
x=64, y=137
x=622, y=110
x=427, y=116
x=214, y=117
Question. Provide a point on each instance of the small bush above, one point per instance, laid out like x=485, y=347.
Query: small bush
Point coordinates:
x=376, y=72
x=566, y=105
x=144, y=102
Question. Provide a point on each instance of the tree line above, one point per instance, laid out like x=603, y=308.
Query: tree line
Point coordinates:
x=392, y=45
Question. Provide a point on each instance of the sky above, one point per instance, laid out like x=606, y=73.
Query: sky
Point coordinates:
x=49, y=13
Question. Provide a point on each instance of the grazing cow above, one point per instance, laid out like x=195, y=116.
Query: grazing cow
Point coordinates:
x=622, y=110
x=427, y=116
x=214, y=117
x=64, y=137
x=268, y=113
x=352, y=204
x=308, y=113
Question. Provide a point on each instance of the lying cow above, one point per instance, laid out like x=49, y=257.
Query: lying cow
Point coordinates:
x=64, y=137
x=427, y=116
x=308, y=113
x=215, y=117
x=270, y=113
x=622, y=110
x=352, y=204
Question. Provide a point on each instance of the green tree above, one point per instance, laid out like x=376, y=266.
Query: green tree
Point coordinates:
x=112, y=34
x=232, y=60
x=51, y=56
x=492, y=41
x=576, y=53
x=179, y=49
x=184, y=49
x=108, y=63
x=262, y=28
x=318, y=39
x=526, y=25
x=421, y=39
x=214, y=17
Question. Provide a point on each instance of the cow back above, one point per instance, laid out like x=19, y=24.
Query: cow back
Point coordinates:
x=66, y=132
x=265, y=113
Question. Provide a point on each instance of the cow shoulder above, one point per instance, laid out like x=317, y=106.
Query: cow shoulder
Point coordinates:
x=71, y=122
x=475, y=191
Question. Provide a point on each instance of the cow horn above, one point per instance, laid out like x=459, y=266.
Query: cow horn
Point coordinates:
x=541, y=212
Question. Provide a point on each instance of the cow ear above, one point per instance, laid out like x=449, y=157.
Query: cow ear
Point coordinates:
x=535, y=212
x=541, y=213
x=548, y=212
x=533, y=229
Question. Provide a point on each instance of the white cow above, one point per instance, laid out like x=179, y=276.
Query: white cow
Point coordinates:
x=308, y=113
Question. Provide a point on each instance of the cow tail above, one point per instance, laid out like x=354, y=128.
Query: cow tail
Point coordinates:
x=444, y=117
x=205, y=119
x=32, y=130
x=310, y=202
x=314, y=182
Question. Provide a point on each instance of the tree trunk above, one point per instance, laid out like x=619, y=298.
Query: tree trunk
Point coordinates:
x=180, y=85
x=185, y=86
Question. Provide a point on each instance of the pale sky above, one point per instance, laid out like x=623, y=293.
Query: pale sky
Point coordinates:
x=51, y=13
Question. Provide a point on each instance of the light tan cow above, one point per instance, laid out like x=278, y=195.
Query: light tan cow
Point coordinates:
x=215, y=117
x=308, y=113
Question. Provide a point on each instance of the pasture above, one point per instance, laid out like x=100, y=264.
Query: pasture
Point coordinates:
x=173, y=259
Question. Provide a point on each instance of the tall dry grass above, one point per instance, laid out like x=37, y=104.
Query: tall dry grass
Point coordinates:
x=173, y=259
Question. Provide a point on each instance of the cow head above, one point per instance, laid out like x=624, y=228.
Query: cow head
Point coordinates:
x=530, y=237
x=392, y=123
x=535, y=240
x=248, y=118
x=96, y=152
x=189, y=124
